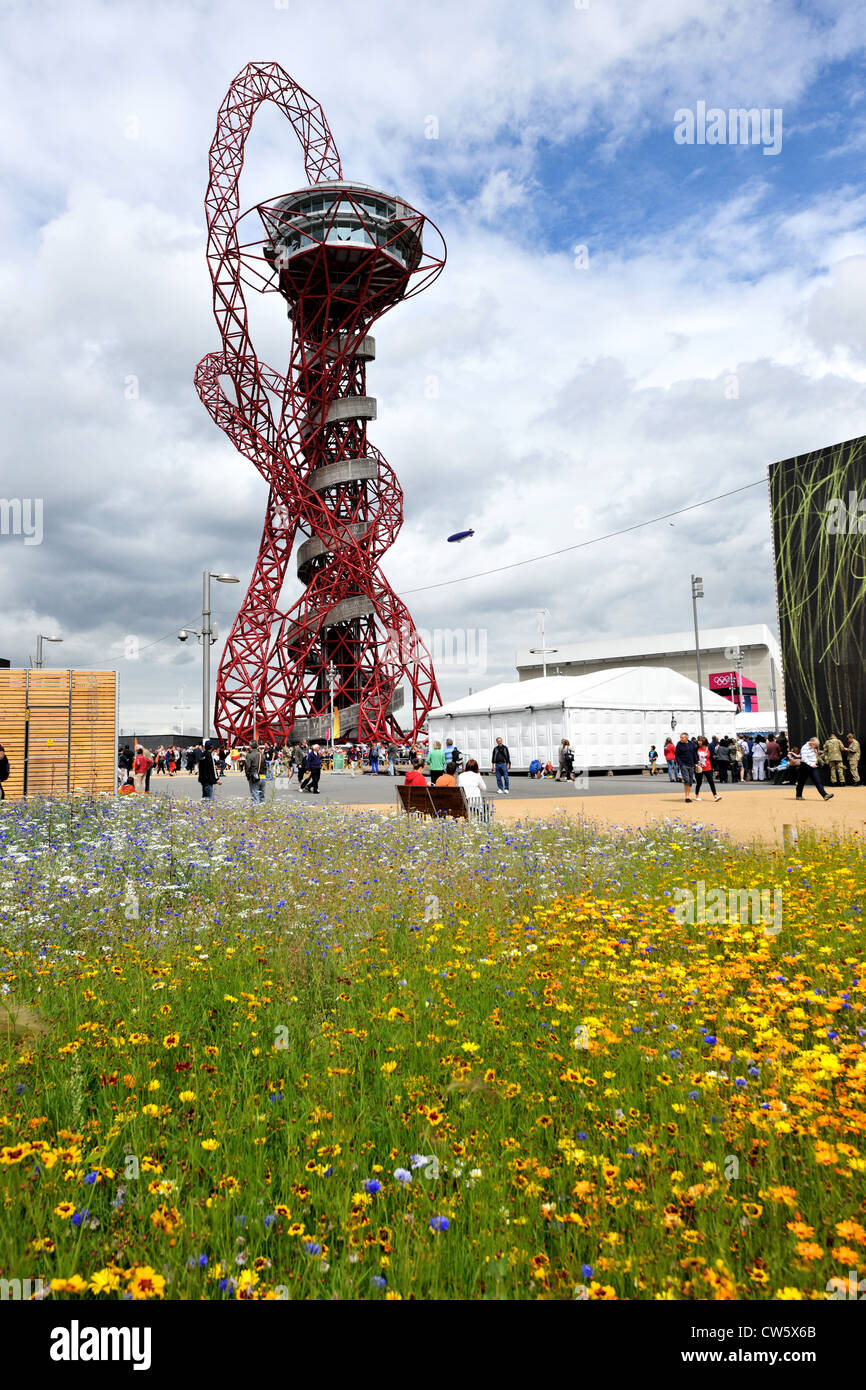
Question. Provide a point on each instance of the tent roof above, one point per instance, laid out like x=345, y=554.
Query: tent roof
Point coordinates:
x=624, y=687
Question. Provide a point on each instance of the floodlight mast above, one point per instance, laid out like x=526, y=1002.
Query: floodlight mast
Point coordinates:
x=340, y=254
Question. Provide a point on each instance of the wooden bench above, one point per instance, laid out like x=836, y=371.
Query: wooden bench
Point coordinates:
x=444, y=801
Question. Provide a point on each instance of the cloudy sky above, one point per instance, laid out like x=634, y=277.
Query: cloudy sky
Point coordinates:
x=626, y=325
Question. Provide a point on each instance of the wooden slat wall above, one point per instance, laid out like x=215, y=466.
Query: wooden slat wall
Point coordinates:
x=91, y=697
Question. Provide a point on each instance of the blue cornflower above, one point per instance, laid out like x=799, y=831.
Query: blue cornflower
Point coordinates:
x=741, y=1081
x=586, y=1271
x=90, y=1178
x=581, y=1134
x=439, y=1223
x=372, y=1186
x=417, y=1160
x=80, y=1217
x=694, y=1095
x=378, y=1282
x=312, y=1247
x=709, y=1040
x=269, y=1220
x=275, y=1098
x=402, y=1175
x=754, y=1071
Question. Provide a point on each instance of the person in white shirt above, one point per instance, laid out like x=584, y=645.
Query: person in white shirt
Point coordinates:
x=809, y=769
x=472, y=782
x=759, y=761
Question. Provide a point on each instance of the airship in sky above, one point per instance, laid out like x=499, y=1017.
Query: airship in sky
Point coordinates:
x=461, y=535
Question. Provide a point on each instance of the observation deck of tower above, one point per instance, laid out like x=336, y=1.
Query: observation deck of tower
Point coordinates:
x=340, y=254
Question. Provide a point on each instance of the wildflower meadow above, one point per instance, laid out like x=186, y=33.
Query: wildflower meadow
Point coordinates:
x=263, y=1053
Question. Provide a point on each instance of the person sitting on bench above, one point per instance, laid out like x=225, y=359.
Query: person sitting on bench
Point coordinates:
x=447, y=778
x=415, y=777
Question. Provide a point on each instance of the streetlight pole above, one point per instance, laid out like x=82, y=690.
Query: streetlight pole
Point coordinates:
x=698, y=592
x=773, y=696
x=543, y=650
x=182, y=707
x=331, y=674
x=39, y=640
x=206, y=635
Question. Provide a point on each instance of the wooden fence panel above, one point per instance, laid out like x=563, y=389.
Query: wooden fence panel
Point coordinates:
x=63, y=724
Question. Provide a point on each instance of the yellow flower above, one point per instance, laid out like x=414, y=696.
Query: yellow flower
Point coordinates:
x=210, y=1144
x=74, y=1285
x=104, y=1280
x=146, y=1283
x=187, y=1096
x=65, y=1210
x=387, y=1068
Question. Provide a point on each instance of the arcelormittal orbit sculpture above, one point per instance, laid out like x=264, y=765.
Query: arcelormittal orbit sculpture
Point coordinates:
x=340, y=254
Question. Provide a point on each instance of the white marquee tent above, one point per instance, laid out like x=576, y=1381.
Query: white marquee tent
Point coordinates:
x=609, y=717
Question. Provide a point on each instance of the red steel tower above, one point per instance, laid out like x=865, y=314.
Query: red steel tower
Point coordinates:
x=339, y=254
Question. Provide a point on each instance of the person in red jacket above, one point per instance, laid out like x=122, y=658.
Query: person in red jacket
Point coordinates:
x=415, y=777
x=139, y=769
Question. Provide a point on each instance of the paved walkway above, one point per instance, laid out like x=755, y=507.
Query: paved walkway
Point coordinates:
x=748, y=810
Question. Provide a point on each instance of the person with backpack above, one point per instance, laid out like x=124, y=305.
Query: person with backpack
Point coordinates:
x=566, y=762
x=4, y=771
x=453, y=755
x=500, y=763
x=253, y=768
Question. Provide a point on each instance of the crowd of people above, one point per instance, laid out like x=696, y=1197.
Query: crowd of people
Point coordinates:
x=690, y=761
x=758, y=758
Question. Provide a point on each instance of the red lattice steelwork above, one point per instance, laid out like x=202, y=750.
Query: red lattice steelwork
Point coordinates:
x=340, y=254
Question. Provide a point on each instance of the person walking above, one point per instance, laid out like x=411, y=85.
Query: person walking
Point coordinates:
x=704, y=770
x=4, y=771
x=670, y=756
x=253, y=768
x=436, y=763
x=374, y=758
x=500, y=763
x=808, y=770
x=759, y=760
x=653, y=756
x=565, y=770
x=735, y=757
x=300, y=757
x=314, y=769
x=687, y=761
x=353, y=758
x=833, y=753
x=391, y=755
x=852, y=755
x=208, y=774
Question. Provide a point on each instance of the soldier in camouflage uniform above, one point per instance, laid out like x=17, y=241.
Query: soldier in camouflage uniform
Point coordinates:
x=852, y=753
x=833, y=754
